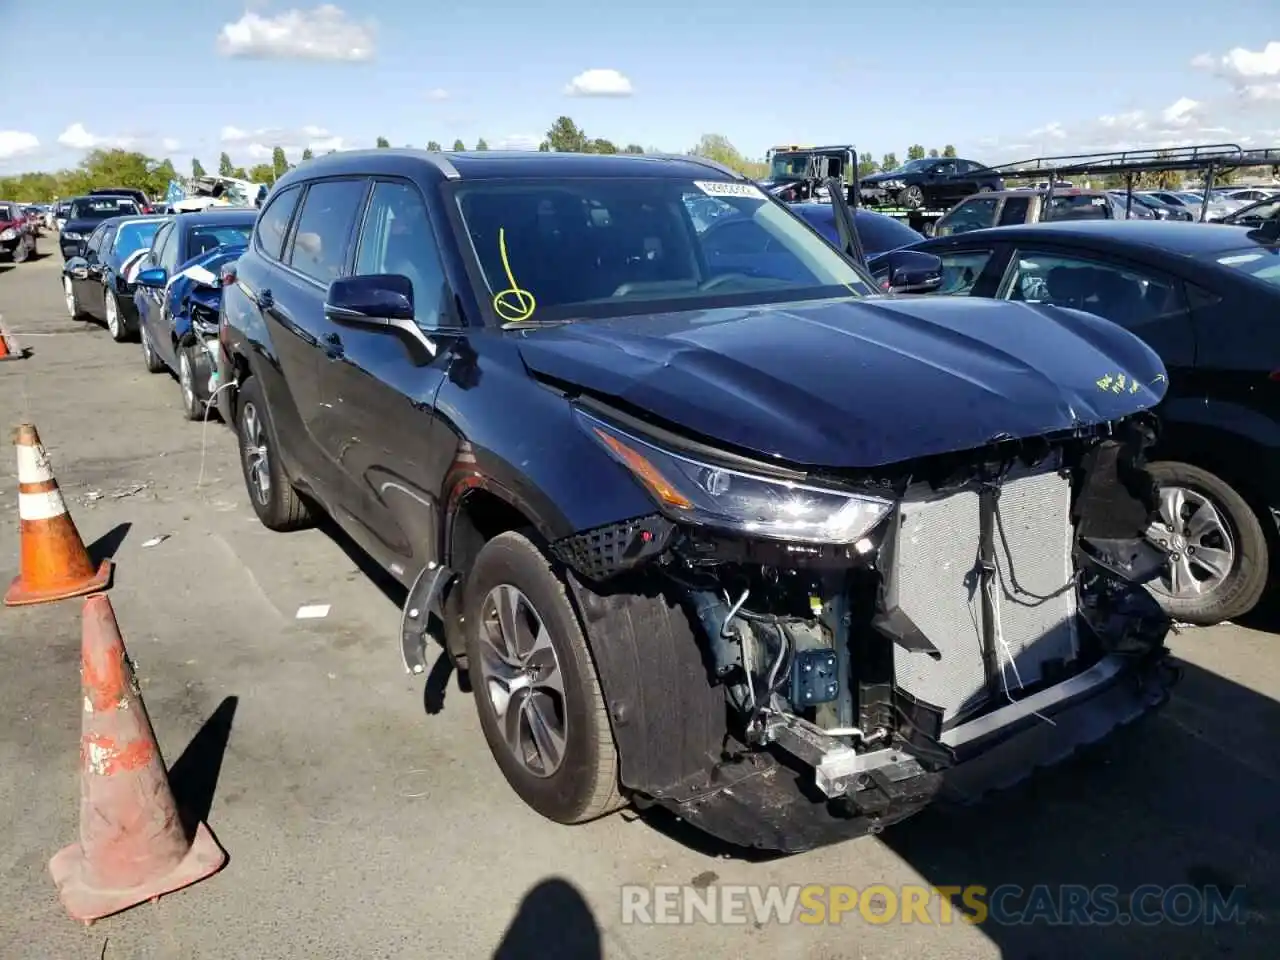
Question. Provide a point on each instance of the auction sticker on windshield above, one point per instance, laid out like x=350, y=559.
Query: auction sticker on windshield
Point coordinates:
x=721, y=188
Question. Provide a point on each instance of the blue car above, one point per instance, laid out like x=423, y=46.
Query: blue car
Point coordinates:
x=181, y=267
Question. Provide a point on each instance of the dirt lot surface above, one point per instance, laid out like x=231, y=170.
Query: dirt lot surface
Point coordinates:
x=361, y=810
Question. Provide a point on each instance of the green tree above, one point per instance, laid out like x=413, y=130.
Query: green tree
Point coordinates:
x=890, y=162
x=481, y=145
x=565, y=137
x=459, y=146
x=279, y=165
x=307, y=154
x=433, y=146
x=715, y=146
x=633, y=148
x=948, y=151
x=599, y=145
x=915, y=152
x=867, y=165
x=262, y=173
x=197, y=168
x=383, y=142
x=225, y=167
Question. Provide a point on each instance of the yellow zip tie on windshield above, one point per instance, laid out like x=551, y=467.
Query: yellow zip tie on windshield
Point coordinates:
x=512, y=304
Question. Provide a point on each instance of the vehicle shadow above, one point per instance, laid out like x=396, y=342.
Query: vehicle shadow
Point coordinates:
x=553, y=920
x=1186, y=797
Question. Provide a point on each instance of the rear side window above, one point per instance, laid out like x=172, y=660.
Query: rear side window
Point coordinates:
x=320, y=243
x=1014, y=210
x=273, y=223
x=976, y=214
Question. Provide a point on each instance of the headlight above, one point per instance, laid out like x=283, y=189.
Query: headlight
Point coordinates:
x=72, y=235
x=714, y=496
x=9, y=234
x=894, y=184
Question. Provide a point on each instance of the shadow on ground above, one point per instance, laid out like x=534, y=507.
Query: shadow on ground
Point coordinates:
x=553, y=920
x=193, y=778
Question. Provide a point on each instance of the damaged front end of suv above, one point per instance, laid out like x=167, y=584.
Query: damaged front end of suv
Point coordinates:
x=791, y=658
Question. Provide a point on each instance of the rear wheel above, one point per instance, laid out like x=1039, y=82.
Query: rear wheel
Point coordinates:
x=1219, y=556
x=540, y=703
x=272, y=496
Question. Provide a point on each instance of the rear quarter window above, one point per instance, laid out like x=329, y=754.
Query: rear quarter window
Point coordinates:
x=273, y=222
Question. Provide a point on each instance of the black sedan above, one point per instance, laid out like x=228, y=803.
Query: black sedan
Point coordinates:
x=99, y=281
x=929, y=182
x=85, y=214
x=1205, y=299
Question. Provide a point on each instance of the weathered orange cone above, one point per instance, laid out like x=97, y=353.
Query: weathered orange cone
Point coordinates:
x=55, y=563
x=133, y=847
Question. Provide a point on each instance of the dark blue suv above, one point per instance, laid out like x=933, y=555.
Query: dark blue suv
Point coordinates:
x=710, y=524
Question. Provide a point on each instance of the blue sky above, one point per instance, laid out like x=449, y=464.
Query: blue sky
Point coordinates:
x=999, y=80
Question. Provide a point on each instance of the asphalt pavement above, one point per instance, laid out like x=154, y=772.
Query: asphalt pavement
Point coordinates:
x=361, y=810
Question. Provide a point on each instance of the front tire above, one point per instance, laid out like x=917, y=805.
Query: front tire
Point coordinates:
x=539, y=699
x=150, y=359
x=1220, y=561
x=912, y=198
x=192, y=405
x=272, y=496
x=115, y=321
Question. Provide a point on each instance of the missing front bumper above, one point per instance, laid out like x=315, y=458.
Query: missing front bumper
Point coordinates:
x=808, y=794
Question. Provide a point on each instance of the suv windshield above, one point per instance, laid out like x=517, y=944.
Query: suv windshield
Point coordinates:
x=1261, y=263
x=100, y=208
x=573, y=248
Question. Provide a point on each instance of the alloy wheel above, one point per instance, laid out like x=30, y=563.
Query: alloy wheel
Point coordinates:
x=256, y=456
x=520, y=673
x=1202, y=551
x=186, y=380
x=113, y=316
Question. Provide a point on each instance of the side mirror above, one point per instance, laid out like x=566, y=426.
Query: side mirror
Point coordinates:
x=77, y=268
x=907, y=271
x=156, y=277
x=379, y=300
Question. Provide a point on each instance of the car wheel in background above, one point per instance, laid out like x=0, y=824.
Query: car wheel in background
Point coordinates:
x=115, y=322
x=192, y=405
x=150, y=359
x=1219, y=556
x=277, y=504
x=71, y=300
x=537, y=693
x=912, y=198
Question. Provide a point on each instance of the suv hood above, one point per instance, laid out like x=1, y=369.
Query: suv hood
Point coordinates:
x=858, y=383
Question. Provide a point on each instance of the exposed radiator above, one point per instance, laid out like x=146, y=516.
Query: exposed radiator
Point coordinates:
x=936, y=568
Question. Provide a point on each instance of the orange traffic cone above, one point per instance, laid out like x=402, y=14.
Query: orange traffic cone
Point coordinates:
x=133, y=847
x=55, y=564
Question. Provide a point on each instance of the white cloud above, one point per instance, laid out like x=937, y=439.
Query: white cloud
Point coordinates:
x=171, y=144
x=438, y=94
x=1052, y=131
x=15, y=143
x=324, y=33
x=517, y=141
x=1254, y=74
x=1181, y=112
x=599, y=83
x=76, y=137
x=259, y=145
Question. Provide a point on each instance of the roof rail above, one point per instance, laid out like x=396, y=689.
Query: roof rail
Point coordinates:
x=703, y=161
x=1154, y=159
